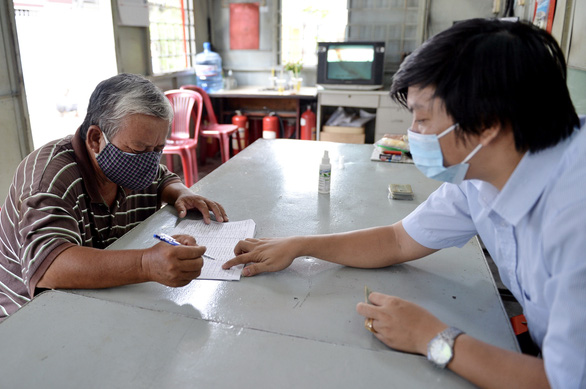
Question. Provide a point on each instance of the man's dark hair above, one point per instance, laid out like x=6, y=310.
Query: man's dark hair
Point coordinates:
x=122, y=95
x=491, y=72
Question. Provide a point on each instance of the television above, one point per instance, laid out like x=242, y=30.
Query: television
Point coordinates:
x=350, y=65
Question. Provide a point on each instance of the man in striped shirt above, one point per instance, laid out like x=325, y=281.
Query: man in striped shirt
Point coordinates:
x=73, y=197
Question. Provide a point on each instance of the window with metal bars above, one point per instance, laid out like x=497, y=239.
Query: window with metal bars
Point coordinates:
x=172, y=35
x=398, y=23
x=306, y=22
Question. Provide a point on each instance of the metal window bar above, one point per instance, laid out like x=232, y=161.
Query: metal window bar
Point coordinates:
x=172, y=35
x=280, y=37
x=401, y=36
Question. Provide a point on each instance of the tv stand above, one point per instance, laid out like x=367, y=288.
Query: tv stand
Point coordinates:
x=347, y=87
x=391, y=118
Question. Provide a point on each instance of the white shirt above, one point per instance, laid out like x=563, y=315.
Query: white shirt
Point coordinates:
x=535, y=231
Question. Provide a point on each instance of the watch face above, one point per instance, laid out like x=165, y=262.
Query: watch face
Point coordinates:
x=440, y=351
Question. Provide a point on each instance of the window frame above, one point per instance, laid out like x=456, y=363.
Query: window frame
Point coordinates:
x=419, y=12
x=187, y=40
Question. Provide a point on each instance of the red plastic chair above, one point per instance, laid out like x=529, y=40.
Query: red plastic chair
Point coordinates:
x=186, y=103
x=212, y=129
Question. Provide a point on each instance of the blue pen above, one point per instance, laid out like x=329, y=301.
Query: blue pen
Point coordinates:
x=169, y=239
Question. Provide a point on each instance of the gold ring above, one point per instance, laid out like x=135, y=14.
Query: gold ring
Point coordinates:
x=368, y=325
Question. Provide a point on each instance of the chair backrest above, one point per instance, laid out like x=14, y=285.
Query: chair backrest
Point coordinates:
x=211, y=115
x=186, y=103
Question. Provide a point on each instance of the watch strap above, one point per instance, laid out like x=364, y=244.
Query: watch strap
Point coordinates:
x=449, y=336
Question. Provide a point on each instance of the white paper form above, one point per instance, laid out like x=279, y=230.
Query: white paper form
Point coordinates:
x=220, y=240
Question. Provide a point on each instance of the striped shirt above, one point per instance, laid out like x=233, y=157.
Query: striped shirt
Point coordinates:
x=54, y=203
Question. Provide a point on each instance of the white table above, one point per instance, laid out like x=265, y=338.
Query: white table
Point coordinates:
x=295, y=328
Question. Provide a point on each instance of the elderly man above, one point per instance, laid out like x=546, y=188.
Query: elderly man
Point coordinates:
x=74, y=196
x=492, y=117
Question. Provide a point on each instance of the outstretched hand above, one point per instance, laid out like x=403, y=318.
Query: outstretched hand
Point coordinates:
x=262, y=255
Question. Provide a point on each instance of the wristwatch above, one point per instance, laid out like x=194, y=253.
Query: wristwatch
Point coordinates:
x=440, y=350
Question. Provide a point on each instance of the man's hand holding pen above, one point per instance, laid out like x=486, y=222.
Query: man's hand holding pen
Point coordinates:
x=171, y=264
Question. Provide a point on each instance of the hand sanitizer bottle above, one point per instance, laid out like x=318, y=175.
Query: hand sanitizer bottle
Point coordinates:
x=325, y=174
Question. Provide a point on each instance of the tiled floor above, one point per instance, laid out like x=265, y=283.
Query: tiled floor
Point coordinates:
x=202, y=169
x=210, y=165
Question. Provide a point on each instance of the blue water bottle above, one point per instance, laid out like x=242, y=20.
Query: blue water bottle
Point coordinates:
x=208, y=69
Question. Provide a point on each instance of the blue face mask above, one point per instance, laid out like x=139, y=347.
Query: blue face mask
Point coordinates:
x=132, y=171
x=427, y=155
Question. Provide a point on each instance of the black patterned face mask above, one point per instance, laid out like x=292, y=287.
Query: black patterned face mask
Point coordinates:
x=132, y=171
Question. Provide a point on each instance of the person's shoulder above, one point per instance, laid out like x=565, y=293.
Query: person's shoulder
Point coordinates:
x=579, y=141
x=578, y=136
x=568, y=184
x=57, y=149
x=50, y=168
x=458, y=195
x=466, y=189
x=574, y=158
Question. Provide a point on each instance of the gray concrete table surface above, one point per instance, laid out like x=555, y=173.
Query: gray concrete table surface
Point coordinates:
x=275, y=183
x=83, y=342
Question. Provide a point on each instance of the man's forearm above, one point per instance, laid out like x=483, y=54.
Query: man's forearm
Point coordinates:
x=491, y=367
x=172, y=191
x=369, y=248
x=84, y=267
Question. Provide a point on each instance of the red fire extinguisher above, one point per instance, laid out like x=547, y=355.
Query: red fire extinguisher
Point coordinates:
x=240, y=121
x=288, y=129
x=308, y=124
x=270, y=126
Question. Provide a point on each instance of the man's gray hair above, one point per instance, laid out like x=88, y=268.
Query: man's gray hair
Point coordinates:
x=120, y=96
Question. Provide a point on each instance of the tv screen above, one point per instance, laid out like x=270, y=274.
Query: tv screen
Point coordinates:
x=350, y=62
x=350, y=65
